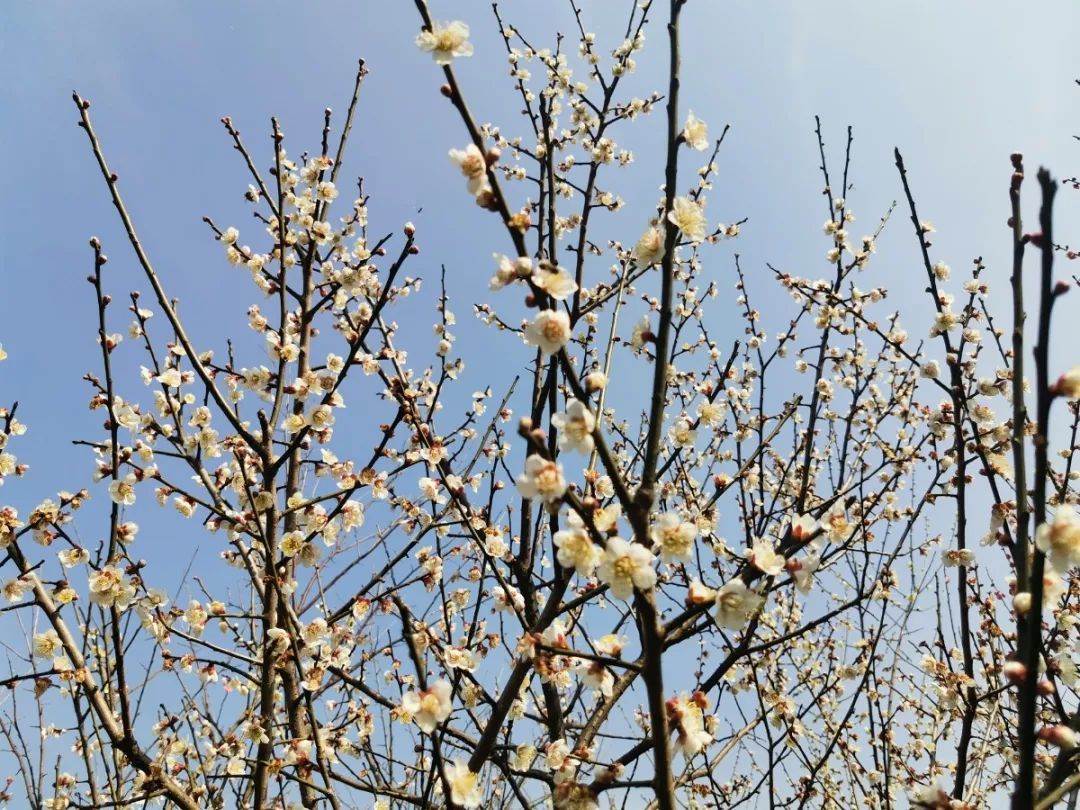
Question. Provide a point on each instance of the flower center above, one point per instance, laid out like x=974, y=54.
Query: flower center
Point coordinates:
x=623, y=568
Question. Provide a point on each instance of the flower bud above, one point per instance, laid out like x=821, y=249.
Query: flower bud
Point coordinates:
x=1014, y=671
x=1059, y=735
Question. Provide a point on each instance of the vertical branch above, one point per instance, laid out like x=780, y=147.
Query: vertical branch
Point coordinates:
x=1031, y=642
x=667, y=269
x=1019, y=406
x=651, y=629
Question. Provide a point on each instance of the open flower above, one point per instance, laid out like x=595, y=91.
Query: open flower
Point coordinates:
x=445, y=41
x=803, y=571
x=641, y=333
x=763, y=557
x=695, y=133
x=554, y=280
x=953, y=557
x=836, y=523
x=673, y=537
x=122, y=490
x=464, y=784
x=687, y=216
x=429, y=707
x=47, y=644
x=688, y=721
x=576, y=550
x=110, y=588
x=550, y=331
x=541, y=479
x=575, y=427
x=650, y=247
x=699, y=594
x=508, y=270
x=735, y=603
x=595, y=675
x=626, y=566
x=472, y=164
x=1060, y=538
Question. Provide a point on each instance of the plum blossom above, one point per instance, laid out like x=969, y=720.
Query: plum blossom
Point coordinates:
x=464, y=784
x=549, y=331
x=650, y=247
x=576, y=550
x=673, y=537
x=803, y=571
x=836, y=524
x=764, y=557
x=626, y=566
x=473, y=165
x=687, y=216
x=735, y=603
x=688, y=721
x=640, y=334
x=554, y=280
x=429, y=707
x=445, y=41
x=542, y=479
x=958, y=556
x=47, y=644
x=575, y=425
x=122, y=490
x=595, y=675
x=110, y=588
x=508, y=270
x=695, y=132
x=803, y=528
x=1068, y=384
x=508, y=599
x=1060, y=538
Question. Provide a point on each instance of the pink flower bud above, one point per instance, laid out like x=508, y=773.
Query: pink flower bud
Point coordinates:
x=1059, y=735
x=1014, y=671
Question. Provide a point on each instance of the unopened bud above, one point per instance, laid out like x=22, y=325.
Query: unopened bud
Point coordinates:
x=1014, y=671
x=1059, y=735
x=595, y=381
x=1022, y=603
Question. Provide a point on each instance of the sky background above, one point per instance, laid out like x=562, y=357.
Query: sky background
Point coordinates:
x=957, y=86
